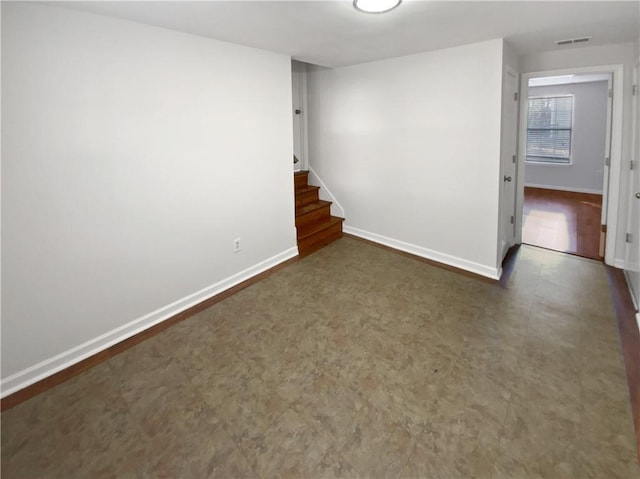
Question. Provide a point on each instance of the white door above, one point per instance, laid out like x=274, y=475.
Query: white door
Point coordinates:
x=632, y=256
x=607, y=161
x=509, y=159
x=297, y=79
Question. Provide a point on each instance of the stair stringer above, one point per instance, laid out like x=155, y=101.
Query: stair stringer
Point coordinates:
x=325, y=194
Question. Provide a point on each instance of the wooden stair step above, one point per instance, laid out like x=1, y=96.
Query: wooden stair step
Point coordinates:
x=300, y=178
x=312, y=213
x=306, y=188
x=307, y=194
x=324, y=233
x=303, y=210
x=314, y=228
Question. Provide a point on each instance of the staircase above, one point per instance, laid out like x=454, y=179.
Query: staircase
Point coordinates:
x=316, y=227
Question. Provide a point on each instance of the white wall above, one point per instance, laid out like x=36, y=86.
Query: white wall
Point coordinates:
x=585, y=172
x=616, y=54
x=509, y=57
x=132, y=157
x=411, y=149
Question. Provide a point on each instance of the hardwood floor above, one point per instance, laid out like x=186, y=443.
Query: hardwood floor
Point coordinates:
x=562, y=221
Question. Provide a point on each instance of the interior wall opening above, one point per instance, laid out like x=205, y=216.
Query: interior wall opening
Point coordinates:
x=567, y=152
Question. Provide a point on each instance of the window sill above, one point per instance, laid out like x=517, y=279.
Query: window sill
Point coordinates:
x=545, y=163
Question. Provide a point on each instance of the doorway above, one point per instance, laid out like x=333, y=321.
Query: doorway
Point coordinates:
x=569, y=142
x=566, y=151
x=564, y=221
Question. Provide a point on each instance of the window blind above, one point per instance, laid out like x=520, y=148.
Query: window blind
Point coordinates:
x=549, y=128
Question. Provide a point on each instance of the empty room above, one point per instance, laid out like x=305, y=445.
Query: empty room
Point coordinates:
x=568, y=138
x=294, y=239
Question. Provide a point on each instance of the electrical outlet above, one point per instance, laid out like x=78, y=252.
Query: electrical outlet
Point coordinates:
x=236, y=245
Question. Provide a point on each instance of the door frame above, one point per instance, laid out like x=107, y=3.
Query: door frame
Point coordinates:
x=606, y=170
x=299, y=76
x=615, y=162
x=505, y=159
x=630, y=269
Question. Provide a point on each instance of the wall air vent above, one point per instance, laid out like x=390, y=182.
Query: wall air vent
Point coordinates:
x=571, y=41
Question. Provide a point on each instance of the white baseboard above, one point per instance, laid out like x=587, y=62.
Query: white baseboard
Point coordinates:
x=632, y=293
x=618, y=263
x=325, y=194
x=48, y=367
x=477, y=268
x=638, y=319
x=565, y=188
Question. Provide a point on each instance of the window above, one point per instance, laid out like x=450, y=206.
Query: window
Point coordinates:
x=549, y=123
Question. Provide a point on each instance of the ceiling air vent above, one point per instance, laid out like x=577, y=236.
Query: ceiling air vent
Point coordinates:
x=571, y=41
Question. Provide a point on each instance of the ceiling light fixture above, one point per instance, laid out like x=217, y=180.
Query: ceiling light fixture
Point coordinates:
x=375, y=6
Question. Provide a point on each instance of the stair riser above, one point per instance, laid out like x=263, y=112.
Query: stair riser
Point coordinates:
x=322, y=213
x=300, y=181
x=321, y=237
x=312, y=229
x=307, y=197
x=316, y=227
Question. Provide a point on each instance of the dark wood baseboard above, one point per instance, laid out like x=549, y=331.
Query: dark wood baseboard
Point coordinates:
x=629, y=340
x=47, y=383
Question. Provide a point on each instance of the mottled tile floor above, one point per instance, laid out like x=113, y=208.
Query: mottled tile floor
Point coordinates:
x=355, y=362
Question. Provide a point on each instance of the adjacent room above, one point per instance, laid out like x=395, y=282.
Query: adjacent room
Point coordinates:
x=568, y=150
x=307, y=239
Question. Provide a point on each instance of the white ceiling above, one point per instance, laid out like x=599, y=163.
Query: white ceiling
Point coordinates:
x=333, y=33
